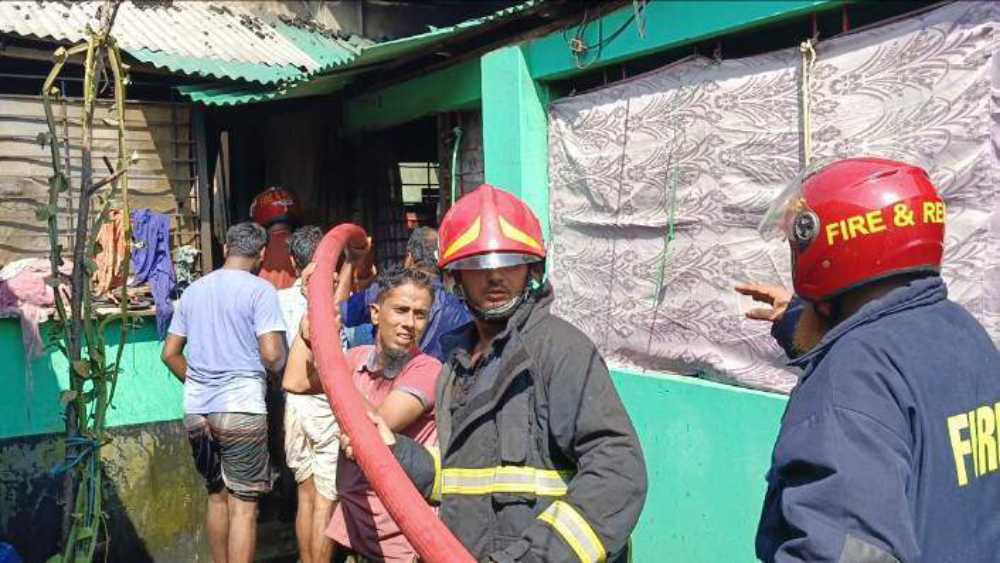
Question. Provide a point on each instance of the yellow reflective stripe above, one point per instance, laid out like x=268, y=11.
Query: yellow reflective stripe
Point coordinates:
x=515, y=234
x=467, y=238
x=436, y=488
x=569, y=524
x=505, y=479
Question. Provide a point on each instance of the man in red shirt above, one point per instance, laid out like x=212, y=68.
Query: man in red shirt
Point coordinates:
x=397, y=381
x=277, y=210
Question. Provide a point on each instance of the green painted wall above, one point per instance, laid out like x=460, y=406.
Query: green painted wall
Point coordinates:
x=667, y=24
x=708, y=448
x=515, y=130
x=453, y=88
x=30, y=399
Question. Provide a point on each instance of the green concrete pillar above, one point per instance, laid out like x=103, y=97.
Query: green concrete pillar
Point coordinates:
x=515, y=130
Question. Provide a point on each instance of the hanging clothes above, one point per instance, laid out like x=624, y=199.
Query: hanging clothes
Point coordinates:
x=151, y=262
x=111, y=239
x=24, y=293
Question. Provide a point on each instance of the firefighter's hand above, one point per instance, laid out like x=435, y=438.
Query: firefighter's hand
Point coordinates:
x=384, y=432
x=775, y=296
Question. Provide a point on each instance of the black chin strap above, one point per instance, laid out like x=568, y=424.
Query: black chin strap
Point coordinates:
x=507, y=310
x=501, y=313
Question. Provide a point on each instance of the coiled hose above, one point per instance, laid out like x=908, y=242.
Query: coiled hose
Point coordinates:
x=428, y=535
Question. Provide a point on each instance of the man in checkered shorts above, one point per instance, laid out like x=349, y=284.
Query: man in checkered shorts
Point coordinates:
x=231, y=324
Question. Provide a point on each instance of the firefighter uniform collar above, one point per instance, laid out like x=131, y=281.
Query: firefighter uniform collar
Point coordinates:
x=916, y=293
x=458, y=343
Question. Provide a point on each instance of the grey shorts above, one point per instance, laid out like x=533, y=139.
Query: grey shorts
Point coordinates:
x=230, y=451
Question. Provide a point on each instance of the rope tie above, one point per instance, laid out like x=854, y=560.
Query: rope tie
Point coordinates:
x=668, y=235
x=86, y=446
x=808, y=51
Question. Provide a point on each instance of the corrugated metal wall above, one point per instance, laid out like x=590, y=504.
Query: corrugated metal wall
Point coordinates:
x=163, y=179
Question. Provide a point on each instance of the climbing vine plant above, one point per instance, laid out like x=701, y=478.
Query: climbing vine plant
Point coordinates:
x=76, y=331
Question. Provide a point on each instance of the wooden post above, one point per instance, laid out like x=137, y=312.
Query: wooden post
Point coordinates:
x=204, y=193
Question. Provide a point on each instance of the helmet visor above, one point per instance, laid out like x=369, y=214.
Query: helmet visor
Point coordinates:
x=492, y=261
x=789, y=216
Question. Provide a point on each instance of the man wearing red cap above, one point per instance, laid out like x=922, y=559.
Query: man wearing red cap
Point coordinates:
x=277, y=210
x=888, y=450
x=538, y=460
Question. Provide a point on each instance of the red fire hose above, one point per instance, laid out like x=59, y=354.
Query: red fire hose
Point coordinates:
x=428, y=535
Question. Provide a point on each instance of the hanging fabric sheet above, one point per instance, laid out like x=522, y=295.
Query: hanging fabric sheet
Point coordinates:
x=111, y=241
x=151, y=262
x=25, y=292
x=702, y=147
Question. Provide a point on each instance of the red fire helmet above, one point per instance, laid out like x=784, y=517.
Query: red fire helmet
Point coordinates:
x=856, y=221
x=274, y=204
x=489, y=228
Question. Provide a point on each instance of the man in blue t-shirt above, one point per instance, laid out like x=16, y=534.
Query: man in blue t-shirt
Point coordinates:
x=447, y=314
x=230, y=323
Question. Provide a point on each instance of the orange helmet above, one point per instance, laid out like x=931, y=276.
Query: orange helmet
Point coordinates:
x=857, y=221
x=489, y=228
x=274, y=204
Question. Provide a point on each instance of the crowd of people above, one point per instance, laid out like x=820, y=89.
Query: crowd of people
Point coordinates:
x=505, y=418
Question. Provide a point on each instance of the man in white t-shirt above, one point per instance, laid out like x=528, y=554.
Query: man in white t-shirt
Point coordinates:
x=311, y=445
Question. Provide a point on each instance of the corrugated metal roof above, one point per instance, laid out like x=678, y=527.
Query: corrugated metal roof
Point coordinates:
x=391, y=49
x=365, y=55
x=190, y=36
x=217, y=70
x=228, y=95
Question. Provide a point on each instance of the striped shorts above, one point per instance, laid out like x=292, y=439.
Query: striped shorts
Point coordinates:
x=230, y=450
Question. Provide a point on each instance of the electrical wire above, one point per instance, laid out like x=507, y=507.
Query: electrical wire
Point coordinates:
x=578, y=45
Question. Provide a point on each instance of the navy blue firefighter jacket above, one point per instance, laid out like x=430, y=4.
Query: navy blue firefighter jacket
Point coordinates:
x=888, y=449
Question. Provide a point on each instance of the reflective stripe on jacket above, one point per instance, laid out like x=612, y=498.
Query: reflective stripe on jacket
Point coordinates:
x=543, y=464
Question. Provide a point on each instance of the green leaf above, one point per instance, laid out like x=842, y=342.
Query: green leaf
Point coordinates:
x=43, y=213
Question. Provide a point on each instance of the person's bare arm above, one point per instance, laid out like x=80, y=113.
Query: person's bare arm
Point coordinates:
x=364, y=272
x=173, y=356
x=341, y=280
x=344, y=277
x=272, y=351
x=400, y=409
x=397, y=411
x=300, y=375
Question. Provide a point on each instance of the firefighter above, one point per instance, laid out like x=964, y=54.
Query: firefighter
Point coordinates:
x=277, y=210
x=888, y=449
x=538, y=460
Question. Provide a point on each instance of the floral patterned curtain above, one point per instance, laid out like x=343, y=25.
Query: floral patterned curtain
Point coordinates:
x=657, y=183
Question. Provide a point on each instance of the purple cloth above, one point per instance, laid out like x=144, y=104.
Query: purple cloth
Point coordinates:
x=151, y=262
